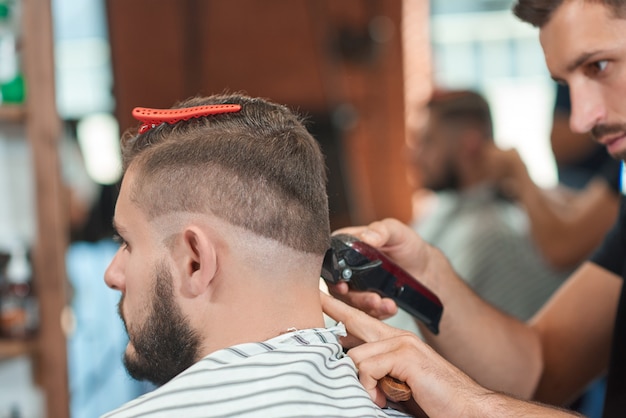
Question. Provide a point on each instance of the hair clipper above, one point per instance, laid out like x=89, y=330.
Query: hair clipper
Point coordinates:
x=365, y=268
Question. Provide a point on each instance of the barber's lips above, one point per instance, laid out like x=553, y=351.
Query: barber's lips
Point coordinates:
x=615, y=143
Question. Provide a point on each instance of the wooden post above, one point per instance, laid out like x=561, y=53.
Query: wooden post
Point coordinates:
x=43, y=130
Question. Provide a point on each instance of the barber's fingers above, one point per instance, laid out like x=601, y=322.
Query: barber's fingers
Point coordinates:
x=358, y=323
x=370, y=302
x=392, y=357
x=401, y=243
x=397, y=356
x=435, y=385
x=338, y=289
x=387, y=351
x=377, y=234
x=397, y=240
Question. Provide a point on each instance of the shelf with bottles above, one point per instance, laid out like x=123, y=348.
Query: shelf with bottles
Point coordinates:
x=10, y=348
x=18, y=306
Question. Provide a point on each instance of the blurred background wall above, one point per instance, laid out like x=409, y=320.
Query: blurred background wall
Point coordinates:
x=338, y=63
x=355, y=68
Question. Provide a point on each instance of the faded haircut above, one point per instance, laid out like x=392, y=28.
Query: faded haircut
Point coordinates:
x=258, y=169
x=539, y=12
x=463, y=108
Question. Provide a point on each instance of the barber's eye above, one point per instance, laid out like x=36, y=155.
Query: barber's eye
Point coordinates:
x=122, y=243
x=598, y=66
x=596, y=69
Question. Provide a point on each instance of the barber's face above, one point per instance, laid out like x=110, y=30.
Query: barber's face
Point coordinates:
x=161, y=341
x=585, y=47
x=434, y=156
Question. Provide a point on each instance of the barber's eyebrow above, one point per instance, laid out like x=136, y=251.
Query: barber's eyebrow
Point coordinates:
x=581, y=59
x=119, y=229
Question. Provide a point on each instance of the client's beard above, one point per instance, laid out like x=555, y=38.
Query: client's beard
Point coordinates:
x=165, y=344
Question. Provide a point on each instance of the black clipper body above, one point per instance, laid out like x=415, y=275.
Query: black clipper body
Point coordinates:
x=365, y=268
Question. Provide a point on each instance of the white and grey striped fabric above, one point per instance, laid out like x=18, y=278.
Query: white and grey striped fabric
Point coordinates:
x=300, y=374
x=487, y=240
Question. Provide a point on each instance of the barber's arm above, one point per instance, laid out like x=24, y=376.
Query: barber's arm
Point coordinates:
x=575, y=328
x=551, y=359
x=497, y=350
x=439, y=388
x=565, y=234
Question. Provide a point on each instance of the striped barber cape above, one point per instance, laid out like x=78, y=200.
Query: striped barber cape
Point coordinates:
x=303, y=373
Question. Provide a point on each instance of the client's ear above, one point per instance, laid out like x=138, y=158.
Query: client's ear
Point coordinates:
x=199, y=261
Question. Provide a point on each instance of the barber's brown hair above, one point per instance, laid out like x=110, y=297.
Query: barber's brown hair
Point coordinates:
x=539, y=12
x=258, y=168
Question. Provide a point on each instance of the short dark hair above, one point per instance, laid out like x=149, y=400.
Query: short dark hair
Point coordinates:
x=539, y=12
x=258, y=168
x=463, y=107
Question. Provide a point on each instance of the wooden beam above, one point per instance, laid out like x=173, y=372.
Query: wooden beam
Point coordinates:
x=43, y=130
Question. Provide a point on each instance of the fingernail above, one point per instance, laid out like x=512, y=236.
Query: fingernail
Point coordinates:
x=372, y=237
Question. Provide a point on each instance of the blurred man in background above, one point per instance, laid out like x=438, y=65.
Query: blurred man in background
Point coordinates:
x=485, y=235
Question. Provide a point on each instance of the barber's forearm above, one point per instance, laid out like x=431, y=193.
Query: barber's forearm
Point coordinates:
x=546, y=223
x=558, y=233
x=498, y=351
x=552, y=231
x=498, y=405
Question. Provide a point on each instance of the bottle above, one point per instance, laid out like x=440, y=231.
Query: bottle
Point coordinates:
x=11, y=79
x=18, y=311
x=4, y=259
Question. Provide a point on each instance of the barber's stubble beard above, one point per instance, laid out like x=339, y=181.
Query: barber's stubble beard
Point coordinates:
x=599, y=131
x=165, y=344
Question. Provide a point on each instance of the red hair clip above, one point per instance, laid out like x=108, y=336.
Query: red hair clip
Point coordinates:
x=154, y=117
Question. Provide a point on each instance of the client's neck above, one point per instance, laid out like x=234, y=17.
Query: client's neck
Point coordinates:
x=261, y=290
x=259, y=313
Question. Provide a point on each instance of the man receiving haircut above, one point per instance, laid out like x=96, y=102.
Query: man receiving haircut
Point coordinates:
x=223, y=221
x=580, y=334
x=484, y=235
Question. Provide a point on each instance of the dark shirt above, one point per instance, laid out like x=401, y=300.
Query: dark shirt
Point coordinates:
x=611, y=255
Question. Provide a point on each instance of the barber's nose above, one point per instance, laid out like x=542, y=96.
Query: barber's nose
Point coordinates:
x=114, y=274
x=588, y=108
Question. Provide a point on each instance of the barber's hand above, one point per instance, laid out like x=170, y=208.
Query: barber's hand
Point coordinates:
x=438, y=388
x=501, y=164
x=505, y=168
x=370, y=302
x=400, y=243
